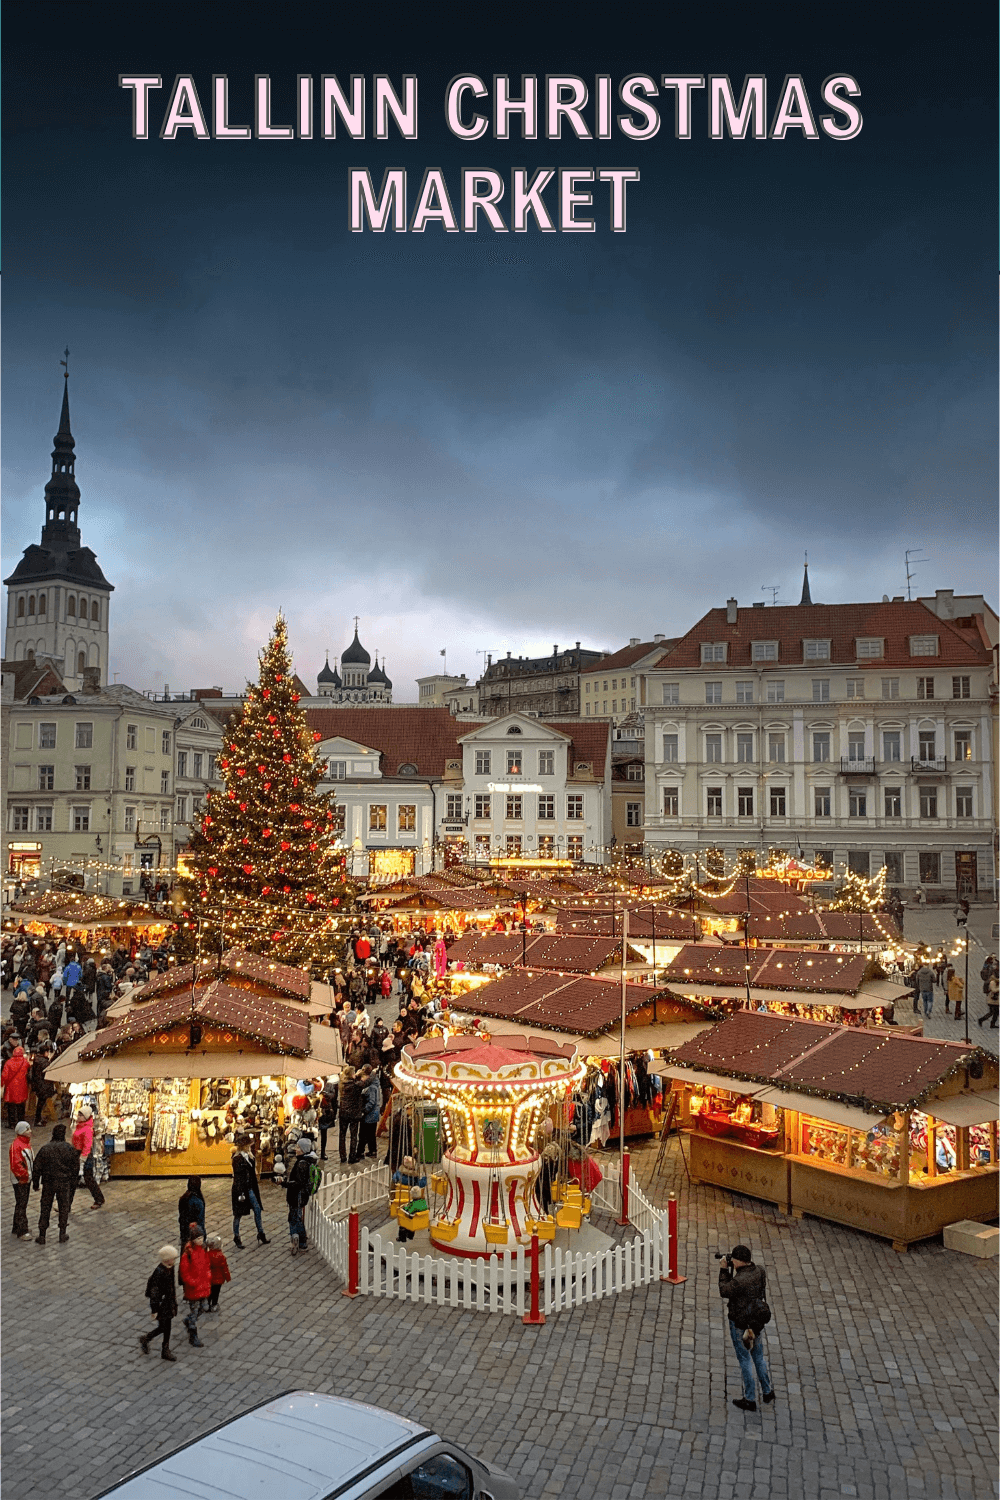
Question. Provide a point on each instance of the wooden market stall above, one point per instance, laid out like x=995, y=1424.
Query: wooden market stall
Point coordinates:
x=99, y=923
x=892, y=1134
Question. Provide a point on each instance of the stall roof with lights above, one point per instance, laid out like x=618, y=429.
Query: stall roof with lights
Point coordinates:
x=281, y=979
x=571, y=1003
x=580, y=953
x=823, y=978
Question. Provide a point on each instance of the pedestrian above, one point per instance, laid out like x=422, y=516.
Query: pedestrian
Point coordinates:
x=56, y=1167
x=297, y=1194
x=924, y=988
x=744, y=1287
x=14, y=1085
x=41, y=1087
x=191, y=1208
x=83, y=1141
x=20, y=1012
x=371, y=1106
x=195, y=1275
x=351, y=1110
x=219, y=1271
x=246, y=1192
x=21, y=1163
x=71, y=978
x=992, y=1003
x=327, y=1113
x=162, y=1294
x=956, y=993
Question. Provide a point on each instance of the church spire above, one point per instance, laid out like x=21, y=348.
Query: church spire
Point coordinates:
x=62, y=495
x=806, y=595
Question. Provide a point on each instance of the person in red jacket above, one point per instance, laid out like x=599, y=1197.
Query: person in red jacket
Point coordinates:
x=219, y=1268
x=21, y=1162
x=195, y=1274
x=14, y=1083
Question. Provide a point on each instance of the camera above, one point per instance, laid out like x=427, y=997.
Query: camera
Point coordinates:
x=727, y=1258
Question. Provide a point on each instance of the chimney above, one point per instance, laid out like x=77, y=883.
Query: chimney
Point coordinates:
x=945, y=601
x=633, y=640
x=91, y=679
x=659, y=636
x=578, y=645
x=730, y=611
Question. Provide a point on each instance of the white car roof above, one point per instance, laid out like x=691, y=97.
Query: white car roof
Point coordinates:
x=301, y=1446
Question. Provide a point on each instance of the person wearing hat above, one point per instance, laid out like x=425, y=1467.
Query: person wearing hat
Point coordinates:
x=744, y=1286
x=56, y=1167
x=195, y=1274
x=191, y=1206
x=371, y=1103
x=21, y=1162
x=351, y=1110
x=327, y=1113
x=297, y=1193
x=162, y=1294
x=14, y=1083
x=83, y=1140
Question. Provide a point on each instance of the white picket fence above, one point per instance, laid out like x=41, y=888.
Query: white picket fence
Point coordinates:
x=499, y=1283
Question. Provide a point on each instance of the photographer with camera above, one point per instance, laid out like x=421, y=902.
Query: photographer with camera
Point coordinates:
x=744, y=1285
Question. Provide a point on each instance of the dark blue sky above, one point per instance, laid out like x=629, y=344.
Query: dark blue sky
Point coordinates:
x=496, y=442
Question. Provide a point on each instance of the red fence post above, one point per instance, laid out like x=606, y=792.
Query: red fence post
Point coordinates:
x=672, y=1275
x=353, y=1258
x=626, y=1168
x=535, y=1315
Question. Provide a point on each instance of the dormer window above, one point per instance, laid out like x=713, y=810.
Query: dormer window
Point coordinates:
x=409, y=769
x=514, y=729
x=764, y=650
x=869, y=647
x=815, y=650
x=713, y=650
x=923, y=645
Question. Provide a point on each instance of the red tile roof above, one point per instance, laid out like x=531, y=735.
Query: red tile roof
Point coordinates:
x=841, y=624
x=628, y=656
x=272, y=1023
x=422, y=737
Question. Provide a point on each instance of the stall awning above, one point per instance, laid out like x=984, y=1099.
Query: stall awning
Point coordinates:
x=710, y=1080
x=324, y=1056
x=830, y=1110
x=965, y=1109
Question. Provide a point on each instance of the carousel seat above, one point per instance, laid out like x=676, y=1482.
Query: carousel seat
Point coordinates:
x=569, y=1215
x=440, y=1183
x=545, y=1227
x=444, y=1230
x=496, y=1234
x=419, y=1220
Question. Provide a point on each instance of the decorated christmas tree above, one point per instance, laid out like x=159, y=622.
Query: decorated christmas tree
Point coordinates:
x=265, y=872
x=858, y=893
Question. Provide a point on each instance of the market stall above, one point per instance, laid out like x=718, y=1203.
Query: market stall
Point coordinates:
x=99, y=923
x=889, y=1133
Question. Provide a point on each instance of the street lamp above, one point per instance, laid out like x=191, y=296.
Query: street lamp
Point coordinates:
x=962, y=921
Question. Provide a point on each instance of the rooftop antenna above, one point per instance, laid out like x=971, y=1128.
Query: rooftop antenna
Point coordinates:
x=772, y=589
x=912, y=563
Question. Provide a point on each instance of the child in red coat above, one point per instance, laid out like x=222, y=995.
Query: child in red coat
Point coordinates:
x=195, y=1274
x=218, y=1268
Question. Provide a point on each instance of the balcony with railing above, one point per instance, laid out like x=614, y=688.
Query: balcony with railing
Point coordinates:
x=854, y=765
x=928, y=763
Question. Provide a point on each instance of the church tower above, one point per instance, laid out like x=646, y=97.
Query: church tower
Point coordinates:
x=57, y=597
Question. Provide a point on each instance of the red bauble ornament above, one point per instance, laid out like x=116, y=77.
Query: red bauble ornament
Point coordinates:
x=266, y=693
x=336, y=901
x=272, y=718
x=244, y=840
x=248, y=869
x=231, y=796
x=286, y=758
x=285, y=845
x=243, y=807
x=240, y=771
x=293, y=806
x=307, y=822
x=262, y=769
x=278, y=677
x=312, y=848
x=295, y=779
x=267, y=833
x=286, y=889
x=223, y=764
x=317, y=736
x=310, y=896
x=265, y=890
x=213, y=869
x=267, y=786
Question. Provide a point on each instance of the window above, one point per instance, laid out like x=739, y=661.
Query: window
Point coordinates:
x=165, y=742
x=20, y=818
x=890, y=687
x=869, y=648
x=211, y=768
x=855, y=687
x=713, y=692
x=95, y=609
x=574, y=807
x=196, y=803
x=453, y=806
x=824, y=859
x=43, y=819
x=130, y=778
x=744, y=801
x=923, y=645
x=856, y=745
x=81, y=820
x=586, y=709
x=671, y=693
x=744, y=747
x=81, y=662
x=927, y=740
x=336, y=770
x=82, y=778
x=891, y=745
x=744, y=692
x=633, y=814
x=670, y=802
x=164, y=819
x=131, y=737
x=483, y=809
x=84, y=736
x=670, y=747
x=182, y=809
x=130, y=820
x=821, y=689
x=407, y=820
x=197, y=762
x=339, y=817
x=711, y=651
x=764, y=651
x=614, y=705
x=513, y=762
x=960, y=687
x=857, y=803
x=859, y=862
x=546, y=808
x=893, y=861
x=46, y=778
x=713, y=747
x=546, y=762
x=963, y=744
x=636, y=772
x=182, y=763
x=513, y=812
x=713, y=806
x=198, y=724
x=778, y=801
x=816, y=650
x=377, y=817
x=821, y=745
x=574, y=846
x=482, y=762
x=71, y=606
x=20, y=608
x=482, y=846
x=821, y=801
x=930, y=869
x=46, y=736
x=925, y=687
x=928, y=801
x=963, y=802
x=776, y=747
x=776, y=690
x=41, y=605
x=546, y=846
x=513, y=846
x=893, y=801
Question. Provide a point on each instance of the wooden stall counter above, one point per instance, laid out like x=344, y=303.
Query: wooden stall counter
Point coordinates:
x=740, y=1168
x=901, y=1212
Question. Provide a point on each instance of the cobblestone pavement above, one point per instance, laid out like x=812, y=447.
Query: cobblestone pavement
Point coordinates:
x=884, y=1364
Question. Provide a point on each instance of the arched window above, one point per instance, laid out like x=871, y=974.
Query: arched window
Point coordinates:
x=41, y=605
x=20, y=608
x=31, y=604
x=95, y=609
x=29, y=655
x=81, y=661
x=71, y=605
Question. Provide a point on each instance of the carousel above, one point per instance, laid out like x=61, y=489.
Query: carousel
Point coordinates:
x=503, y=1108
